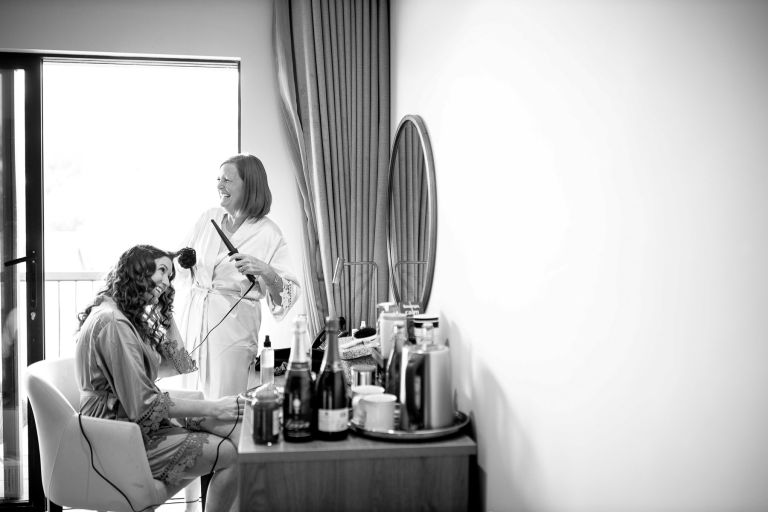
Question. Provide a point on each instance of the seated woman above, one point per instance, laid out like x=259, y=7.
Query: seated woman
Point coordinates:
x=127, y=340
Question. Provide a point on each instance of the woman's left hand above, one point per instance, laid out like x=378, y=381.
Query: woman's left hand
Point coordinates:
x=227, y=408
x=247, y=264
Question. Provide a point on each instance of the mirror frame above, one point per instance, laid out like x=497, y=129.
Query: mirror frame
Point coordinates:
x=426, y=149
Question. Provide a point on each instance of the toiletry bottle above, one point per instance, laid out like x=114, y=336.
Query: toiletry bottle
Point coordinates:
x=331, y=390
x=267, y=400
x=386, y=331
x=267, y=364
x=297, y=397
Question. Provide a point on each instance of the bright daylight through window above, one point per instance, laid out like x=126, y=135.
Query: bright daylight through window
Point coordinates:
x=131, y=151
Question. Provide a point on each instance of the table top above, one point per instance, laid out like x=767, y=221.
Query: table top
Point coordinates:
x=353, y=447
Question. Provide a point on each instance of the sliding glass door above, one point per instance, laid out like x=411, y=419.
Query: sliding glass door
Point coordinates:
x=21, y=274
x=131, y=154
x=96, y=154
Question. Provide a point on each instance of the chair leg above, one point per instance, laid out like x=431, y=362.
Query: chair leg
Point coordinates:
x=204, y=481
x=52, y=507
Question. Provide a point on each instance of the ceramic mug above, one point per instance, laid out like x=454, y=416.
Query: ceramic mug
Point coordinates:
x=378, y=411
x=359, y=392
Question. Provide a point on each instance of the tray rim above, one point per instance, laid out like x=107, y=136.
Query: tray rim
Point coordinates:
x=460, y=421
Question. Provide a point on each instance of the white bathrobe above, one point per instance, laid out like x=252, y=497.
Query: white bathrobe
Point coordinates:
x=206, y=294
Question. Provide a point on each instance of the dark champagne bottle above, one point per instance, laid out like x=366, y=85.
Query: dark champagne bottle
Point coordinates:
x=393, y=376
x=297, y=397
x=331, y=395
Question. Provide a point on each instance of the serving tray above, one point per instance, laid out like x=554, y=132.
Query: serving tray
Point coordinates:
x=460, y=420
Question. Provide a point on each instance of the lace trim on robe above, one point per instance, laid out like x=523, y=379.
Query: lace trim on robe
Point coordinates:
x=177, y=355
x=156, y=413
x=289, y=295
x=184, y=458
x=194, y=424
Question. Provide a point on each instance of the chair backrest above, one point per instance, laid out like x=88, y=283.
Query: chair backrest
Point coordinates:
x=59, y=373
x=47, y=382
x=66, y=457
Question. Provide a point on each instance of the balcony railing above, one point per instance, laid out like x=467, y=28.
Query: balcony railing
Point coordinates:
x=66, y=295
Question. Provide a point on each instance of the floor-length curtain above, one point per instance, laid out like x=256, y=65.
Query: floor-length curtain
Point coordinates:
x=333, y=72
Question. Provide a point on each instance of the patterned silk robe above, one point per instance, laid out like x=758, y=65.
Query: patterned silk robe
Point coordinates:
x=116, y=372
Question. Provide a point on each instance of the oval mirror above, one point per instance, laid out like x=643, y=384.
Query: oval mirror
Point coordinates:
x=412, y=236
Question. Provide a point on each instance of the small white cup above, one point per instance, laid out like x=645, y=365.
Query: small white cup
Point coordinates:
x=378, y=411
x=359, y=392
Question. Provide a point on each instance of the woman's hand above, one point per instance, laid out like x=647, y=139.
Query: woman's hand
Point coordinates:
x=247, y=264
x=227, y=408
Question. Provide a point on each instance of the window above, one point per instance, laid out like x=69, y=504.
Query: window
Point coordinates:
x=131, y=154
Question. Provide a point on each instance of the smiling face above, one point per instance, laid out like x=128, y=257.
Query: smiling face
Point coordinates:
x=230, y=188
x=161, y=278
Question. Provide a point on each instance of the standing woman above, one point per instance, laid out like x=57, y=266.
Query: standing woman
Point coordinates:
x=218, y=280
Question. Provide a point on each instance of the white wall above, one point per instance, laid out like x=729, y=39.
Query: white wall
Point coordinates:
x=224, y=28
x=602, y=245
x=602, y=223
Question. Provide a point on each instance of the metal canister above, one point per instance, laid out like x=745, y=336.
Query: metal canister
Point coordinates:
x=363, y=374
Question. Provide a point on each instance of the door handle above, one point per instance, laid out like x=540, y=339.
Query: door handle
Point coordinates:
x=31, y=277
x=18, y=260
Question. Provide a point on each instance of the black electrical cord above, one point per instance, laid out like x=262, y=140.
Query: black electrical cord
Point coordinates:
x=90, y=447
x=223, y=318
x=237, y=420
x=93, y=465
x=216, y=459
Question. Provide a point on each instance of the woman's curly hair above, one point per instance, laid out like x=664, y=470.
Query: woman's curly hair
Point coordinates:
x=128, y=284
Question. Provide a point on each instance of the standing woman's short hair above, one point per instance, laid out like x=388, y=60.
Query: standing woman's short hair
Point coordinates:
x=257, y=198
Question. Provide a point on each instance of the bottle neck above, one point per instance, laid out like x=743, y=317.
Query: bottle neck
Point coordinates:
x=332, y=347
x=298, y=350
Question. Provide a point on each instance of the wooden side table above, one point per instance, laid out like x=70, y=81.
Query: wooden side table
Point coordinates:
x=355, y=474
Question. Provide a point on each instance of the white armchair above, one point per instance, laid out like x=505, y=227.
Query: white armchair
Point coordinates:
x=69, y=478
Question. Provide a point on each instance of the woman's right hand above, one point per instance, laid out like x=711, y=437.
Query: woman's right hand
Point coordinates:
x=227, y=408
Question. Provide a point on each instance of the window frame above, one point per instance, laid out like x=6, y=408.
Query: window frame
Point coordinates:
x=31, y=61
